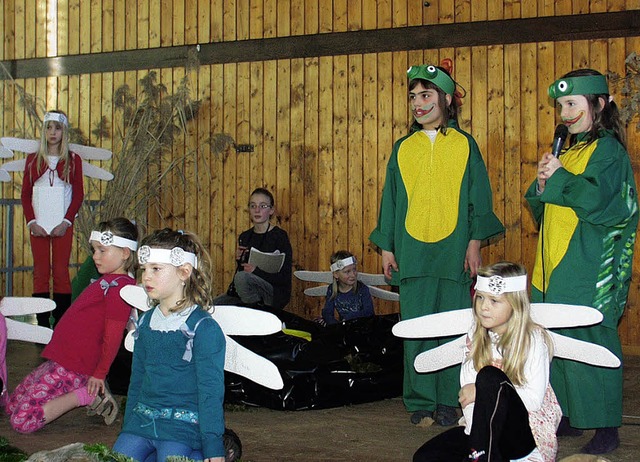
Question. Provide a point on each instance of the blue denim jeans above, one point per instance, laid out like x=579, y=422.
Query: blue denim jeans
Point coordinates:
x=148, y=450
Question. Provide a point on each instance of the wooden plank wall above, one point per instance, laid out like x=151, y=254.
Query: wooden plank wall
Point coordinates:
x=322, y=127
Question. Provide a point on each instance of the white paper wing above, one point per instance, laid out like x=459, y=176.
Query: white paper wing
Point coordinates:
x=325, y=277
x=318, y=291
x=558, y=315
x=584, y=352
x=384, y=294
x=236, y=320
x=135, y=296
x=4, y=176
x=20, y=144
x=17, y=330
x=20, y=306
x=5, y=153
x=445, y=324
x=244, y=362
x=373, y=279
x=446, y=355
x=93, y=171
x=14, y=165
x=90, y=152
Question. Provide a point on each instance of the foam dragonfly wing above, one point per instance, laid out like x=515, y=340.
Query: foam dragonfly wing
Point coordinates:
x=29, y=146
x=22, y=306
x=233, y=320
x=326, y=277
x=549, y=315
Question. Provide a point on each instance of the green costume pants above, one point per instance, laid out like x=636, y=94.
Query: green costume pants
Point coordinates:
x=419, y=297
x=590, y=396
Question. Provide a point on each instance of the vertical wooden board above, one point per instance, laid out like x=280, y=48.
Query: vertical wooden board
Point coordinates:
x=515, y=183
x=95, y=13
x=284, y=122
x=201, y=197
x=174, y=78
x=598, y=55
x=270, y=117
x=20, y=32
x=385, y=117
x=256, y=19
x=296, y=14
x=580, y=54
x=512, y=9
x=297, y=158
x=311, y=17
x=131, y=26
x=562, y=65
x=415, y=13
x=107, y=26
x=325, y=15
x=369, y=16
x=143, y=24
x=192, y=204
x=399, y=14
x=223, y=258
x=447, y=11
x=242, y=131
x=242, y=19
x=400, y=107
x=325, y=163
x=229, y=20
x=529, y=145
x=70, y=29
x=370, y=167
x=85, y=27
x=35, y=30
x=354, y=15
x=528, y=9
x=166, y=23
x=190, y=22
x=178, y=37
x=270, y=14
x=216, y=19
x=479, y=94
x=257, y=103
x=355, y=156
x=384, y=14
x=546, y=107
x=119, y=14
x=495, y=154
x=464, y=76
x=310, y=197
x=478, y=10
x=340, y=154
x=340, y=17
x=496, y=10
x=233, y=207
x=155, y=23
x=203, y=24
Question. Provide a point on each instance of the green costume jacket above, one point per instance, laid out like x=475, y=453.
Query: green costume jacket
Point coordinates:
x=589, y=214
x=436, y=198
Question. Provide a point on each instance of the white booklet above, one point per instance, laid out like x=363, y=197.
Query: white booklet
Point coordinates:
x=269, y=262
x=48, y=206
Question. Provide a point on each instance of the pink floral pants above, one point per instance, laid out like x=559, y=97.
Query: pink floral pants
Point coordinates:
x=46, y=382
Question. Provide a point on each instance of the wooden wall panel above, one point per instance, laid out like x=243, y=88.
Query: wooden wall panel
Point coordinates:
x=322, y=128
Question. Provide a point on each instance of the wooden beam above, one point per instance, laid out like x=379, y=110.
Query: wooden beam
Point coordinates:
x=480, y=33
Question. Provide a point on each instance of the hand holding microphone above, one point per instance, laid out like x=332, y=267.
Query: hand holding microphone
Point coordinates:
x=550, y=162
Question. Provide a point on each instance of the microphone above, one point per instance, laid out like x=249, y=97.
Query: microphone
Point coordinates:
x=559, y=137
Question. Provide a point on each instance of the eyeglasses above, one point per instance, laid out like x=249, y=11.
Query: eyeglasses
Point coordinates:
x=259, y=206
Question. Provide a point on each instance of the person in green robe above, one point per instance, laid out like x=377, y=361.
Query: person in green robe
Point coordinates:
x=436, y=209
x=585, y=203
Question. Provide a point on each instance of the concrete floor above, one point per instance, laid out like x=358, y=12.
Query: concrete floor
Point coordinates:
x=377, y=431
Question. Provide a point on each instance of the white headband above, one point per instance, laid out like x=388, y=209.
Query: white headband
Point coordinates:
x=176, y=256
x=108, y=238
x=337, y=266
x=497, y=285
x=56, y=117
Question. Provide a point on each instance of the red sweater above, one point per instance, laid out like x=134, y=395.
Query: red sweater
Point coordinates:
x=31, y=174
x=88, y=336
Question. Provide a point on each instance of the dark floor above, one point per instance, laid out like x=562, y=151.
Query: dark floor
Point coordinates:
x=377, y=431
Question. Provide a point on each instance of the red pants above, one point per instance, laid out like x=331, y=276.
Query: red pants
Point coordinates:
x=52, y=253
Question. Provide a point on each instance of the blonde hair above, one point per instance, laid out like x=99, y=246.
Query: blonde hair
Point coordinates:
x=337, y=256
x=515, y=344
x=42, y=161
x=198, y=287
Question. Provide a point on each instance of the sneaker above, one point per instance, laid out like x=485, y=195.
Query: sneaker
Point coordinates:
x=603, y=442
x=446, y=415
x=565, y=428
x=422, y=418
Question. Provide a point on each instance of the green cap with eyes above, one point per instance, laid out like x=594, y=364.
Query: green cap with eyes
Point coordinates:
x=582, y=85
x=433, y=74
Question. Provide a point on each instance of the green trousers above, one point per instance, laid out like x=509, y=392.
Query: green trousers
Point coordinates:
x=419, y=297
